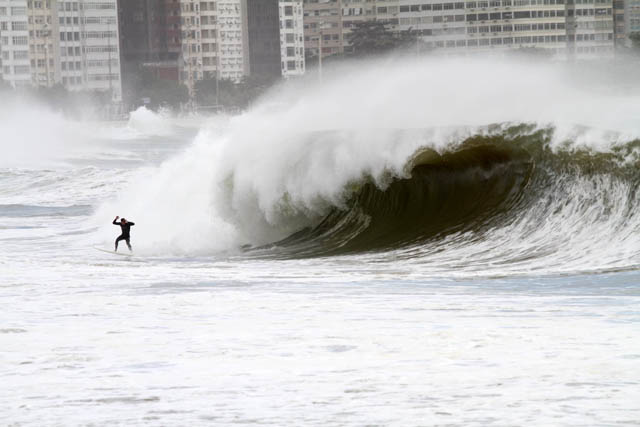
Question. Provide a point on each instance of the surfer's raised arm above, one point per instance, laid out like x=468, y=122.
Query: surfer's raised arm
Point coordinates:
x=114, y=221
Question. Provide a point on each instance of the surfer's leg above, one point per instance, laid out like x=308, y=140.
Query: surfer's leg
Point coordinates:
x=117, y=240
x=128, y=244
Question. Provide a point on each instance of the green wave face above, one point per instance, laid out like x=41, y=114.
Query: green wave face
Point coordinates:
x=487, y=187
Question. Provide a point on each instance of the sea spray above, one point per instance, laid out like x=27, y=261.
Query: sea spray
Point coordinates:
x=145, y=122
x=307, y=149
x=34, y=135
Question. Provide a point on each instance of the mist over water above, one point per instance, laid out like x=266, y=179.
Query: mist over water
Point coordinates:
x=34, y=135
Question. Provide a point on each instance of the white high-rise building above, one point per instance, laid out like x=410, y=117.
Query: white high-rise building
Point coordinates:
x=232, y=39
x=191, y=36
x=14, y=42
x=43, y=31
x=213, y=41
x=70, y=42
x=291, y=37
x=209, y=42
x=487, y=24
x=89, y=45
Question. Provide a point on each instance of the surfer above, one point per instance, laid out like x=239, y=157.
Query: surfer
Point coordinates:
x=125, y=226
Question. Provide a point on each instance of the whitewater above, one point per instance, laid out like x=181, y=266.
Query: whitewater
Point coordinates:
x=407, y=242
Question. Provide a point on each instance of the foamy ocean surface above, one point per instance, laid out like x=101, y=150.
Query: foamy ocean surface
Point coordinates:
x=324, y=263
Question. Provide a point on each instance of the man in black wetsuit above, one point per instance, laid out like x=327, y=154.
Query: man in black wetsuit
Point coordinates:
x=125, y=226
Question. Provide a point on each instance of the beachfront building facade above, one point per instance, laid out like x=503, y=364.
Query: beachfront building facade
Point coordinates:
x=487, y=24
x=291, y=37
x=73, y=43
x=276, y=38
x=632, y=16
x=323, y=31
x=619, y=21
x=565, y=28
x=43, y=43
x=14, y=43
x=213, y=40
x=590, y=28
x=232, y=39
x=28, y=43
x=191, y=65
x=89, y=46
x=209, y=44
x=626, y=20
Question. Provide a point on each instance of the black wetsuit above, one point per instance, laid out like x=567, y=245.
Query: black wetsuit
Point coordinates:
x=125, y=233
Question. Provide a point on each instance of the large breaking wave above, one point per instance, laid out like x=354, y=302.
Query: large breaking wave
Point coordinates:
x=401, y=161
x=506, y=198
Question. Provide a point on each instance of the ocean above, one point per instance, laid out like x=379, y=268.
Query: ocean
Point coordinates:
x=405, y=243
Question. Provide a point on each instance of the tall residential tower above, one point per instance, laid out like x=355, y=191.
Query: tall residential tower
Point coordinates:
x=276, y=38
x=68, y=42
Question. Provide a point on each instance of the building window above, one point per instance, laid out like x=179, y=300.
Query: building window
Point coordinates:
x=20, y=40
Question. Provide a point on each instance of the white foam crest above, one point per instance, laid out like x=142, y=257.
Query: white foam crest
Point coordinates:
x=265, y=173
x=144, y=122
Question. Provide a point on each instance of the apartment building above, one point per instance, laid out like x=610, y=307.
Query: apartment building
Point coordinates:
x=323, y=30
x=291, y=21
x=567, y=28
x=620, y=35
x=14, y=43
x=213, y=40
x=172, y=20
x=354, y=11
x=43, y=45
x=191, y=44
x=210, y=39
x=327, y=23
x=632, y=14
x=276, y=38
x=506, y=24
x=626, y=20
x=72, y=42
x=209, y=36
x=590, y=27
x=233, y=39
x=89, y=45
